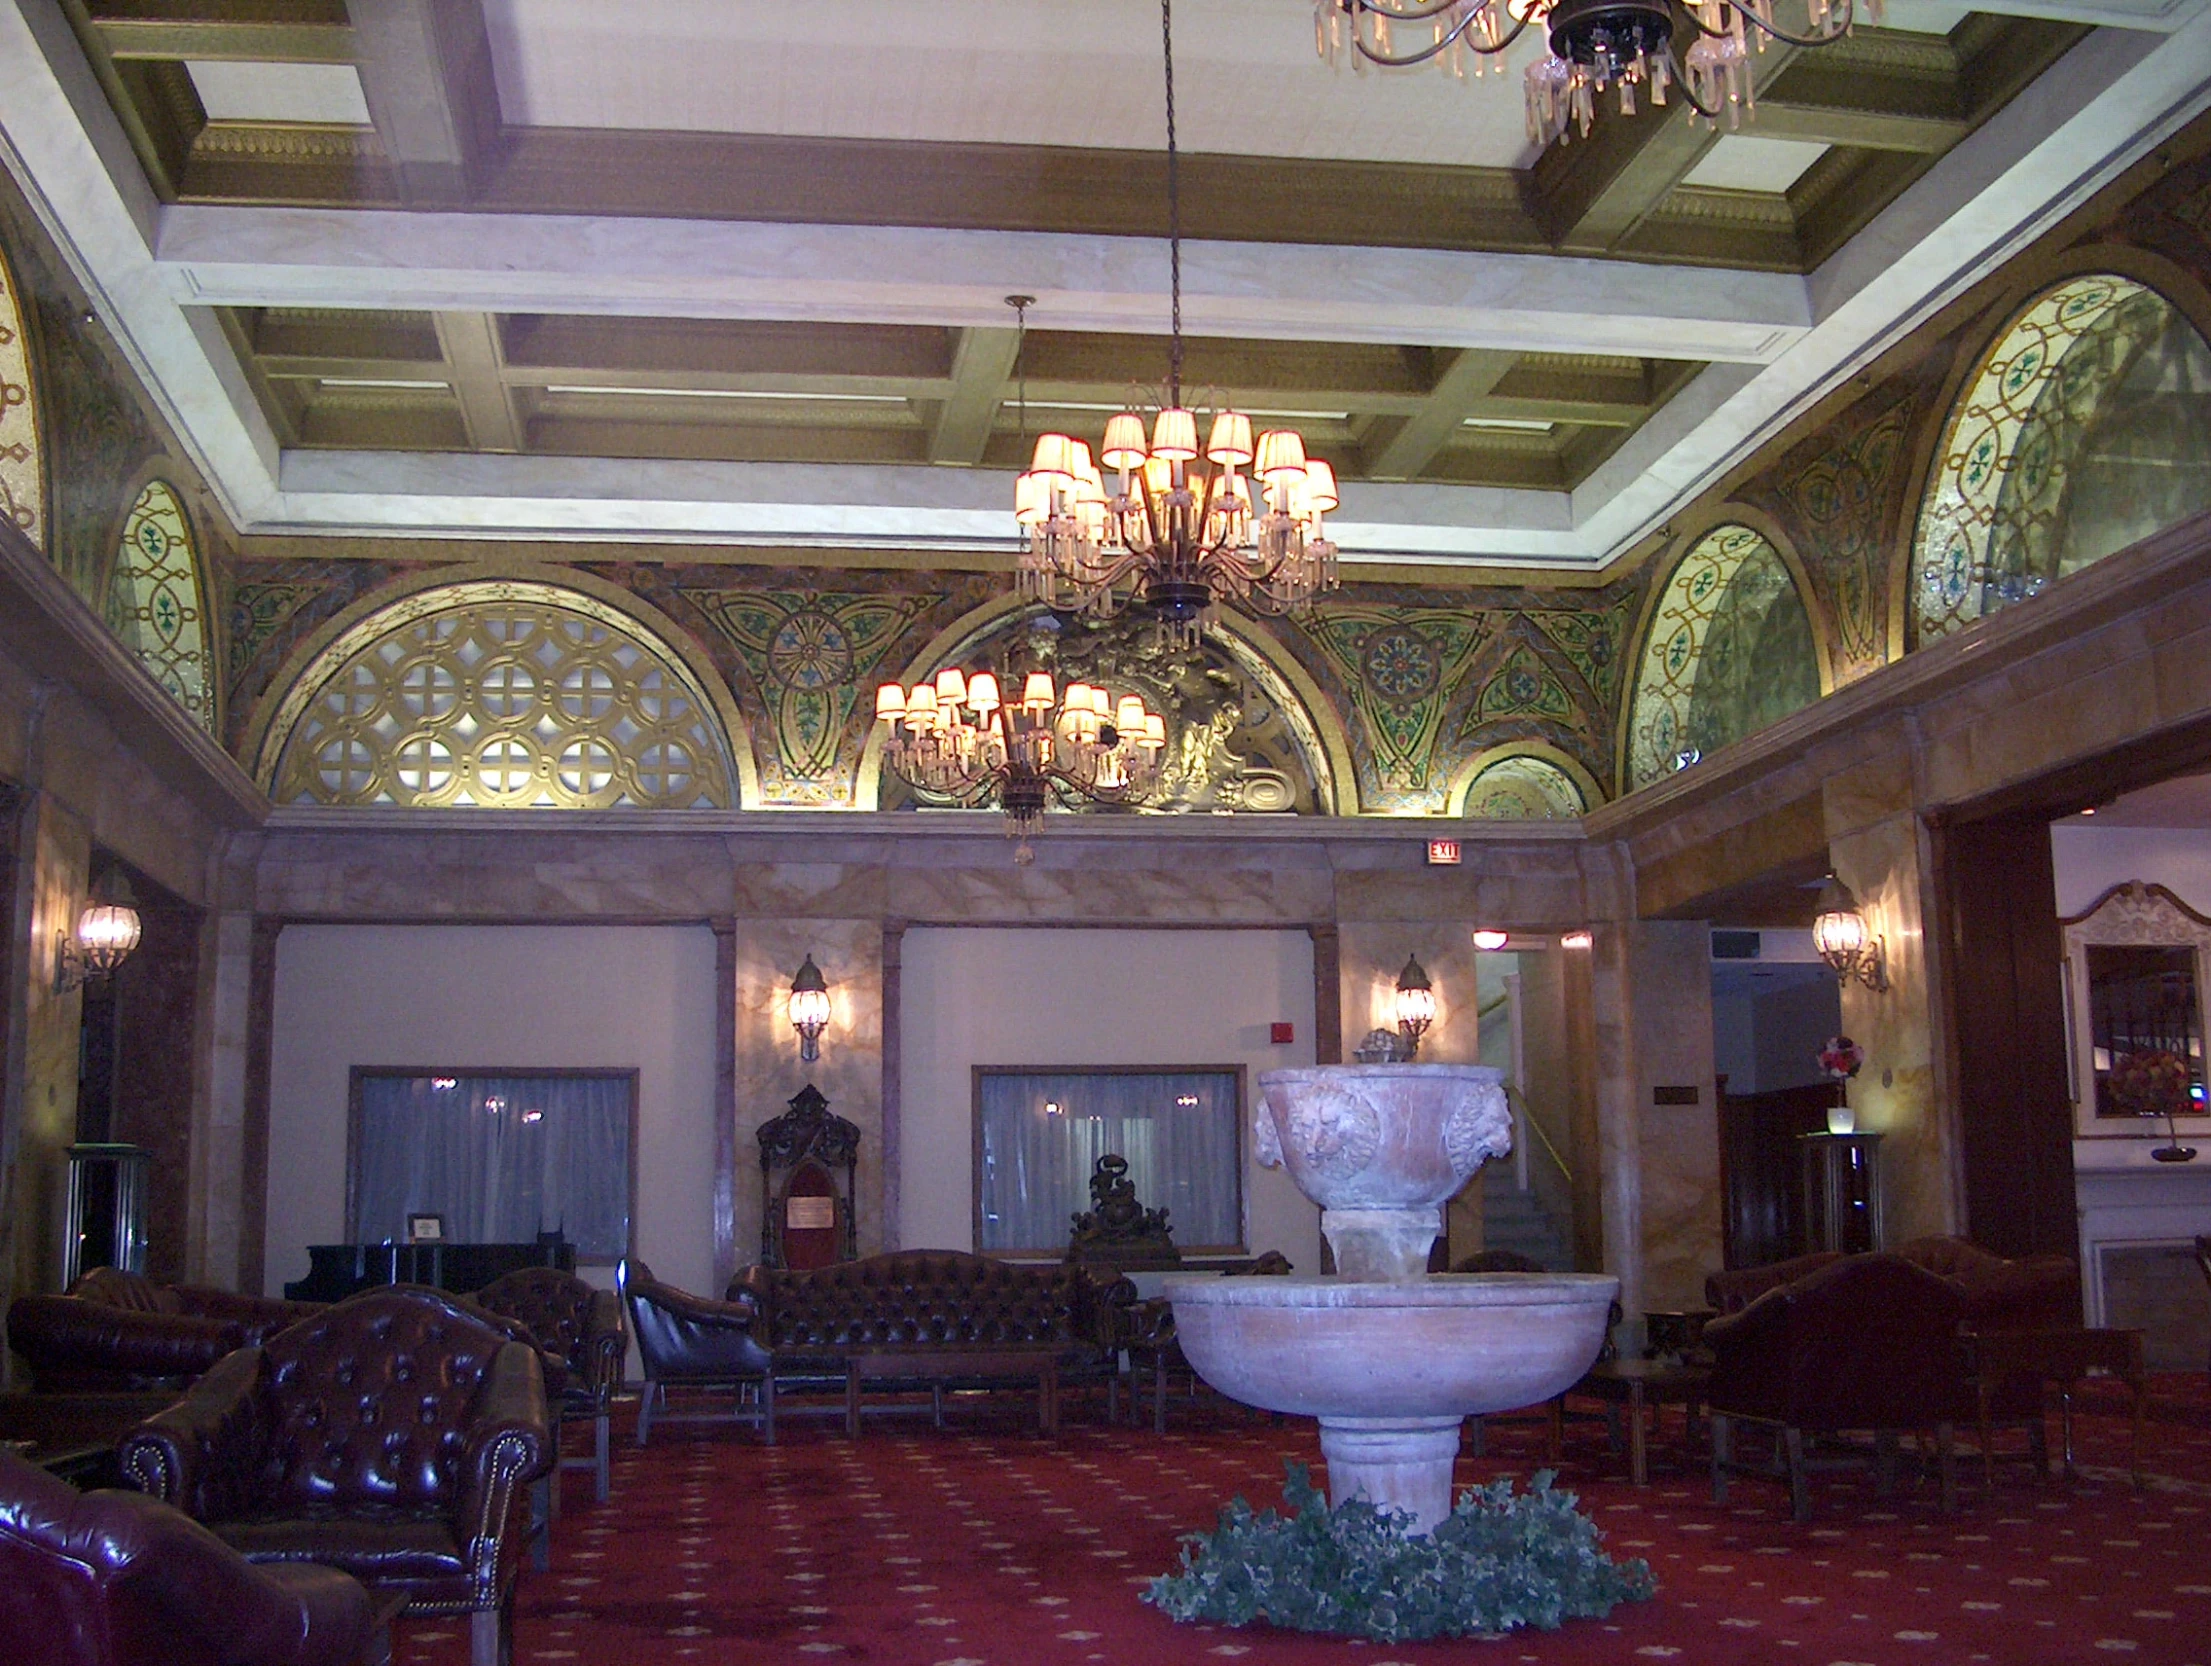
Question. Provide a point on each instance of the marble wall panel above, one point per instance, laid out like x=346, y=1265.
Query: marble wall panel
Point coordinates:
x=775, y=886
x=219, y=1136
x=1670, y=972
x=1529, y=894
x=581, y=874
x=1618, y=1116
x=1203, y=893
x=849, y=1071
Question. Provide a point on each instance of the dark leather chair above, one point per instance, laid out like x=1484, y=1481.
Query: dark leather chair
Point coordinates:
x=579, y=1329
x=695, y=1342
x=116, y=1331
x=114, y=1579
x=1867, y=1343
x=389, y=1437
x=2040, y=1292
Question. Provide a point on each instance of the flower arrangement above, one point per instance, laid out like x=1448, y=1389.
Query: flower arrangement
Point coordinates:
x=2153, y=1082
x=1841, y=1058
x=1502, y=1559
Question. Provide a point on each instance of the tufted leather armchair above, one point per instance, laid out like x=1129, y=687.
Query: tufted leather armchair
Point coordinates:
x=695, y=1342
x=579, y=1330
x=1864, y=1343
x=113, y=1579
x=389, y=1438
x=118, y=1331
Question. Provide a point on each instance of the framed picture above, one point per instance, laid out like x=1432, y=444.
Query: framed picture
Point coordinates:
x=425, y=1229
x=2135, y=972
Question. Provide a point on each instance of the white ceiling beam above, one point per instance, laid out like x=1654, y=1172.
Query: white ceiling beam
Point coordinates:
x=310, y=257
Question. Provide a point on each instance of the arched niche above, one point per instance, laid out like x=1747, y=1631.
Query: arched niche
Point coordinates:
x=157, y=600
x=1520, y=783
x=22, y=457
x=1238, y=737
x=1729, y=649
x=2085, y=428
x=499, y=694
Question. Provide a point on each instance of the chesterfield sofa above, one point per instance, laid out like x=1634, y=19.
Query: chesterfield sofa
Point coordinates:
x=2039, y=1292
x=391, y=1437
x=116, y=1331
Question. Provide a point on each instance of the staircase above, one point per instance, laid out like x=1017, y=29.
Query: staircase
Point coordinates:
x=1517, y=1221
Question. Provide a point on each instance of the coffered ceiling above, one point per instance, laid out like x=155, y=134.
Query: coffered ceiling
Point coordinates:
x=734, y=273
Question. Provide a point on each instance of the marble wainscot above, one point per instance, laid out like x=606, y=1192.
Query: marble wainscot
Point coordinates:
x=1389, y=1358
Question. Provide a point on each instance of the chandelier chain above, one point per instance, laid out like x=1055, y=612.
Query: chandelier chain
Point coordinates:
x=1174, y=210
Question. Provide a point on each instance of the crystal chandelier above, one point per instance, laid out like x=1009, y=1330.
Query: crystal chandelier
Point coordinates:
x=1180, y=527
x=956, y=738
x=1595, y=45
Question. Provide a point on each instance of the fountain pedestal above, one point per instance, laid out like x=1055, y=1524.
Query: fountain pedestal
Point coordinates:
x=1389, y=1360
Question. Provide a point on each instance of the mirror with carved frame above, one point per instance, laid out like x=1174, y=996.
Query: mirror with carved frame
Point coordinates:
x=2136, y=966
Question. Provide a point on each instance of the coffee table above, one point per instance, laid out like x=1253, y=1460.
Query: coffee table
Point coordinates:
x=2061, y=1357
x=939, y=1366
x=74, y=1436
x=1641, y=1385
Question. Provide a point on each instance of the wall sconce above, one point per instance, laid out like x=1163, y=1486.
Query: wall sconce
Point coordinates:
x=1578, y=940
x=809, y=1010
x=107, y=931
x=1490, y=939
x=1416, y=1004
x=1839, y=933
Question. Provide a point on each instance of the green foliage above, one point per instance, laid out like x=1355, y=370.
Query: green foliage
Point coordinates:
x=1500, y=1561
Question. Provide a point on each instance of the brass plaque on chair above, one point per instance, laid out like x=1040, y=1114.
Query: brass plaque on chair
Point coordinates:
x=809, y=1214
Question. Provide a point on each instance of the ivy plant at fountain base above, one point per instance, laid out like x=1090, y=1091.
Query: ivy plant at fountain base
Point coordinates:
x=1501, y=1560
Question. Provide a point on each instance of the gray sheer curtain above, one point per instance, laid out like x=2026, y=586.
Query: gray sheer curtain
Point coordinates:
x=1176, y=1128
x=501, y=1158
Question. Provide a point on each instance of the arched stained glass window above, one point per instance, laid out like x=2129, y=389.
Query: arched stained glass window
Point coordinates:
x=22, y=463
x=1729, y=650
x=500, y=694
x=2086, y=429
x=157, y=604
x=1522, y=787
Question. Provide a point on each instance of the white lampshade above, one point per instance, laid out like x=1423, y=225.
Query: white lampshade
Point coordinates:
x=1037, y=694
x=1175, y=435
x=982, y=692
x=1320, y=486
x=1281, y=454
x=1124, y=447
x=921, y=705
x=890, y=701
x=951, y=688
x=1155, y=729
x=1128, y=717
x=1032, y=499
x=1054, y=458
x=1230, y=442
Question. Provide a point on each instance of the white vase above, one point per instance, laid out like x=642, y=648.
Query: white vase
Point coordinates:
x=1841, y=1119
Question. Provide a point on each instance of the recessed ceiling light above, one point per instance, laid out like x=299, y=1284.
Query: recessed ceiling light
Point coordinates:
x=726, y=393
x=378, y=382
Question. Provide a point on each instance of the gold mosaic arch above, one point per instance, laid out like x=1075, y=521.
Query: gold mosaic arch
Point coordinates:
x=498, y=694
x=22, y=458
x=1727, y=564
x=157, y=602
x=1998, y=484
x=1522, y=782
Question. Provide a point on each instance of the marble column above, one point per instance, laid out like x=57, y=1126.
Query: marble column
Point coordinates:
x=1671, y=994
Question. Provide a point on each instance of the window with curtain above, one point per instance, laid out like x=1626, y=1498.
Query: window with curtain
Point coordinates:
x=504, y=1159
x=1039, y=1135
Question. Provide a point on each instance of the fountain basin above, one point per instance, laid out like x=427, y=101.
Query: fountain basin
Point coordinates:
x=1390, y=1369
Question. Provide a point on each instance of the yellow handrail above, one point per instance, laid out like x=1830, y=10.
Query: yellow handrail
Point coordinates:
x=1527, y=1119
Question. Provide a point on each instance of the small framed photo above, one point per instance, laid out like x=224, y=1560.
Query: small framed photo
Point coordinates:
x=425, y=1229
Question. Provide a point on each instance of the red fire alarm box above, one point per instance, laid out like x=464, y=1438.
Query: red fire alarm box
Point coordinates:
x=1281, y=1033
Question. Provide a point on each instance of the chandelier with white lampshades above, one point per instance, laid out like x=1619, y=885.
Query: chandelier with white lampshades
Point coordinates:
x=1178, y=526
x=955, y=737
x=1595, y=46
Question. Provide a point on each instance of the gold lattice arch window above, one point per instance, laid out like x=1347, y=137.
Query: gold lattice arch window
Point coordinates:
x=1684, y=705
x=22, y=460
x=1992, y=525
x=1520, y=786
x=500, y=694
x=157, y=602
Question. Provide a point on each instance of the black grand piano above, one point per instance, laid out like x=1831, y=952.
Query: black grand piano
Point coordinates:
x=336, y=1271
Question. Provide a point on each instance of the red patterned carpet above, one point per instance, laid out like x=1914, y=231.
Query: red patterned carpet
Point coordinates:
x=984, y=1546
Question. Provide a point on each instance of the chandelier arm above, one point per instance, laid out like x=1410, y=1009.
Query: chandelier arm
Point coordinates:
x=1174, y=207
x=1750, y=15
x=1413, y=11
x=1687, y=89
x=1434, y=49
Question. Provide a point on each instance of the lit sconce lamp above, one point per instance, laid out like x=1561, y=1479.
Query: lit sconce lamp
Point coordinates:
x=1416, y=1004
x=1839, y=933
x=107, y=931
x=1578, y=940
x=809, y=1010
x=1490, y=938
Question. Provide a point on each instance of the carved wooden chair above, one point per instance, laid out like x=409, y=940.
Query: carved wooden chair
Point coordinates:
x=809, y=1161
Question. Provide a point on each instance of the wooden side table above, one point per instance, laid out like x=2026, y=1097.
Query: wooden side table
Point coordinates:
x=2060, y=1357
x=938, y=1366
x=1643, y=1385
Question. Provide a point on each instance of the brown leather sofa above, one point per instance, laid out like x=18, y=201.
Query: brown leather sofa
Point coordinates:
x=389, y=1437
x=2035, y=1293
x=579, y=1330
x=114, y=1579
x=116, y=1331
x=1862, y=1343
x=812, y=1320
x=695, y=1343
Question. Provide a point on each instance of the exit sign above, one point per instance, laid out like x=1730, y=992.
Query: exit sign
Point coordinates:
x=1443, y=853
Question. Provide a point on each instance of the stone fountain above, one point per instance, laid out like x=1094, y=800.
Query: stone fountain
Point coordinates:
x=1390, y=1358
